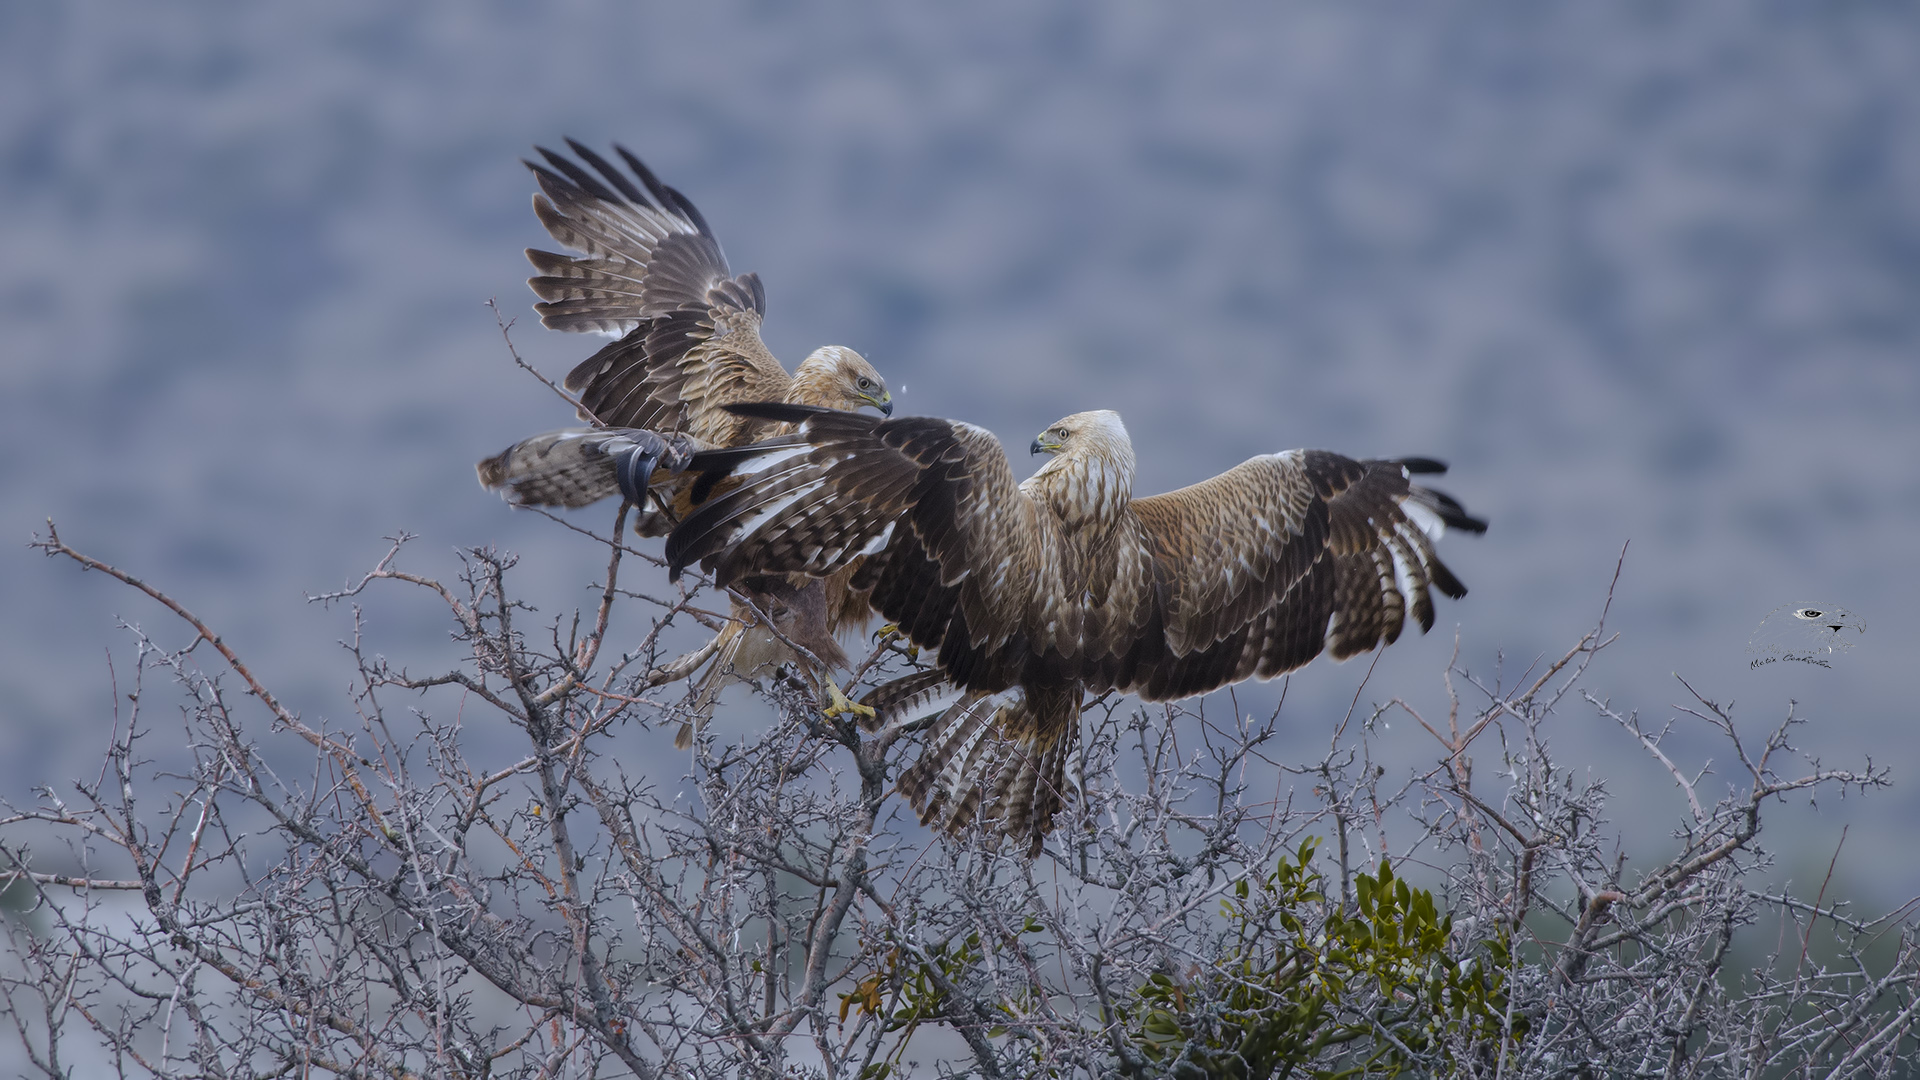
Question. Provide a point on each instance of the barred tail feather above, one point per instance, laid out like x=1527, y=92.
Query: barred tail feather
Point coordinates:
x=907, y=700
x=566, y=468
x=952, y=765
x=1006, y=758
x=574, y=467
x=1031, y=790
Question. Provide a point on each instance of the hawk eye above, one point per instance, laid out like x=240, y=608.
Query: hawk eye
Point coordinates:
x=865, y=382
x=1809, y=613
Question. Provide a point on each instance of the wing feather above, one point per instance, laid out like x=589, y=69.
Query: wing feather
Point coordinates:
x=1279, y=559
x=650, y=270
x=949, y=539
x=1227, y=548
x=641, y=257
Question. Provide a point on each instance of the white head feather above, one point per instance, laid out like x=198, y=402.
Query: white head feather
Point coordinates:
x=1090, y=476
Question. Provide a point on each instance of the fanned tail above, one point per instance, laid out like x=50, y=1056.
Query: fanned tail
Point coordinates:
x=1008, y=757
x=1032, y=787
x=951, y=766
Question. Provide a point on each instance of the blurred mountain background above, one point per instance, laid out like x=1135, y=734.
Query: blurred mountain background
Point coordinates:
x=1639, y=271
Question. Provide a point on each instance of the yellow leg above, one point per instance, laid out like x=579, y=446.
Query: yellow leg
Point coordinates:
x=839, y=705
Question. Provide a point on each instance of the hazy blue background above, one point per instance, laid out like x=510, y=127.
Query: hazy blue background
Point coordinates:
x=1639, y=271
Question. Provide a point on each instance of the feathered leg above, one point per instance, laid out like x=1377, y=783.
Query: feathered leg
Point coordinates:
x=684, y=665
x=725, y=651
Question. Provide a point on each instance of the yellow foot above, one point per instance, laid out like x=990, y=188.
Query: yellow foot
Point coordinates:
x=839, y=705
x=891, y=631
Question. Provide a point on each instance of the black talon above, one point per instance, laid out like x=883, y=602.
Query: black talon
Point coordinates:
x=634, y=467
x=634, y=463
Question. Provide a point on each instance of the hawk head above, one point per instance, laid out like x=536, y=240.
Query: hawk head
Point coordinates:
x=836, y=377
x=1090, y=476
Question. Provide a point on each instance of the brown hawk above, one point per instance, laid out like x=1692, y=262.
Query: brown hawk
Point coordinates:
x=1032, y=594
x=651, y=272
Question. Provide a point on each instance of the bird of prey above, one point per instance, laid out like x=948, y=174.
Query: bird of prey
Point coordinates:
x=1032, y=594
x=688, y=343
x=652, y=273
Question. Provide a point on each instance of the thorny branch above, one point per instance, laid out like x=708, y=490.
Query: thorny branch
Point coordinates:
x=419, y=896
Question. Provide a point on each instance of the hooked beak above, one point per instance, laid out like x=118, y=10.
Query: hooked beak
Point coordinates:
x=1036, y=448
x=885, y=405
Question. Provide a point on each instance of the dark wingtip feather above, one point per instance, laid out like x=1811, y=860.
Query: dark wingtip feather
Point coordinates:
x=1443, y=579
x=703, y=485
x=581, y=178
x=692, y=213
x=612, y=175
x=703, y=533
x=723, y=459
x=668, y=197
x=1421, y=465
x=1453, y=513
x=550, y=181
x=677, y=554
x=640, y=170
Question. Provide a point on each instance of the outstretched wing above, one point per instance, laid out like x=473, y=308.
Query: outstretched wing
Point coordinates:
x=650, y=270
x=955, y=553
x=1252, y=573
x=1267, y=565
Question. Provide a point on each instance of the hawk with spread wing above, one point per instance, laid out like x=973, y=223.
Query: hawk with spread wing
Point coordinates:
x=651, y=272
x=1033, y=594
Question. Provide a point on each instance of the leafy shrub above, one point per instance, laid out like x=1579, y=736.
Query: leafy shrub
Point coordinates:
x=1364, y=992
